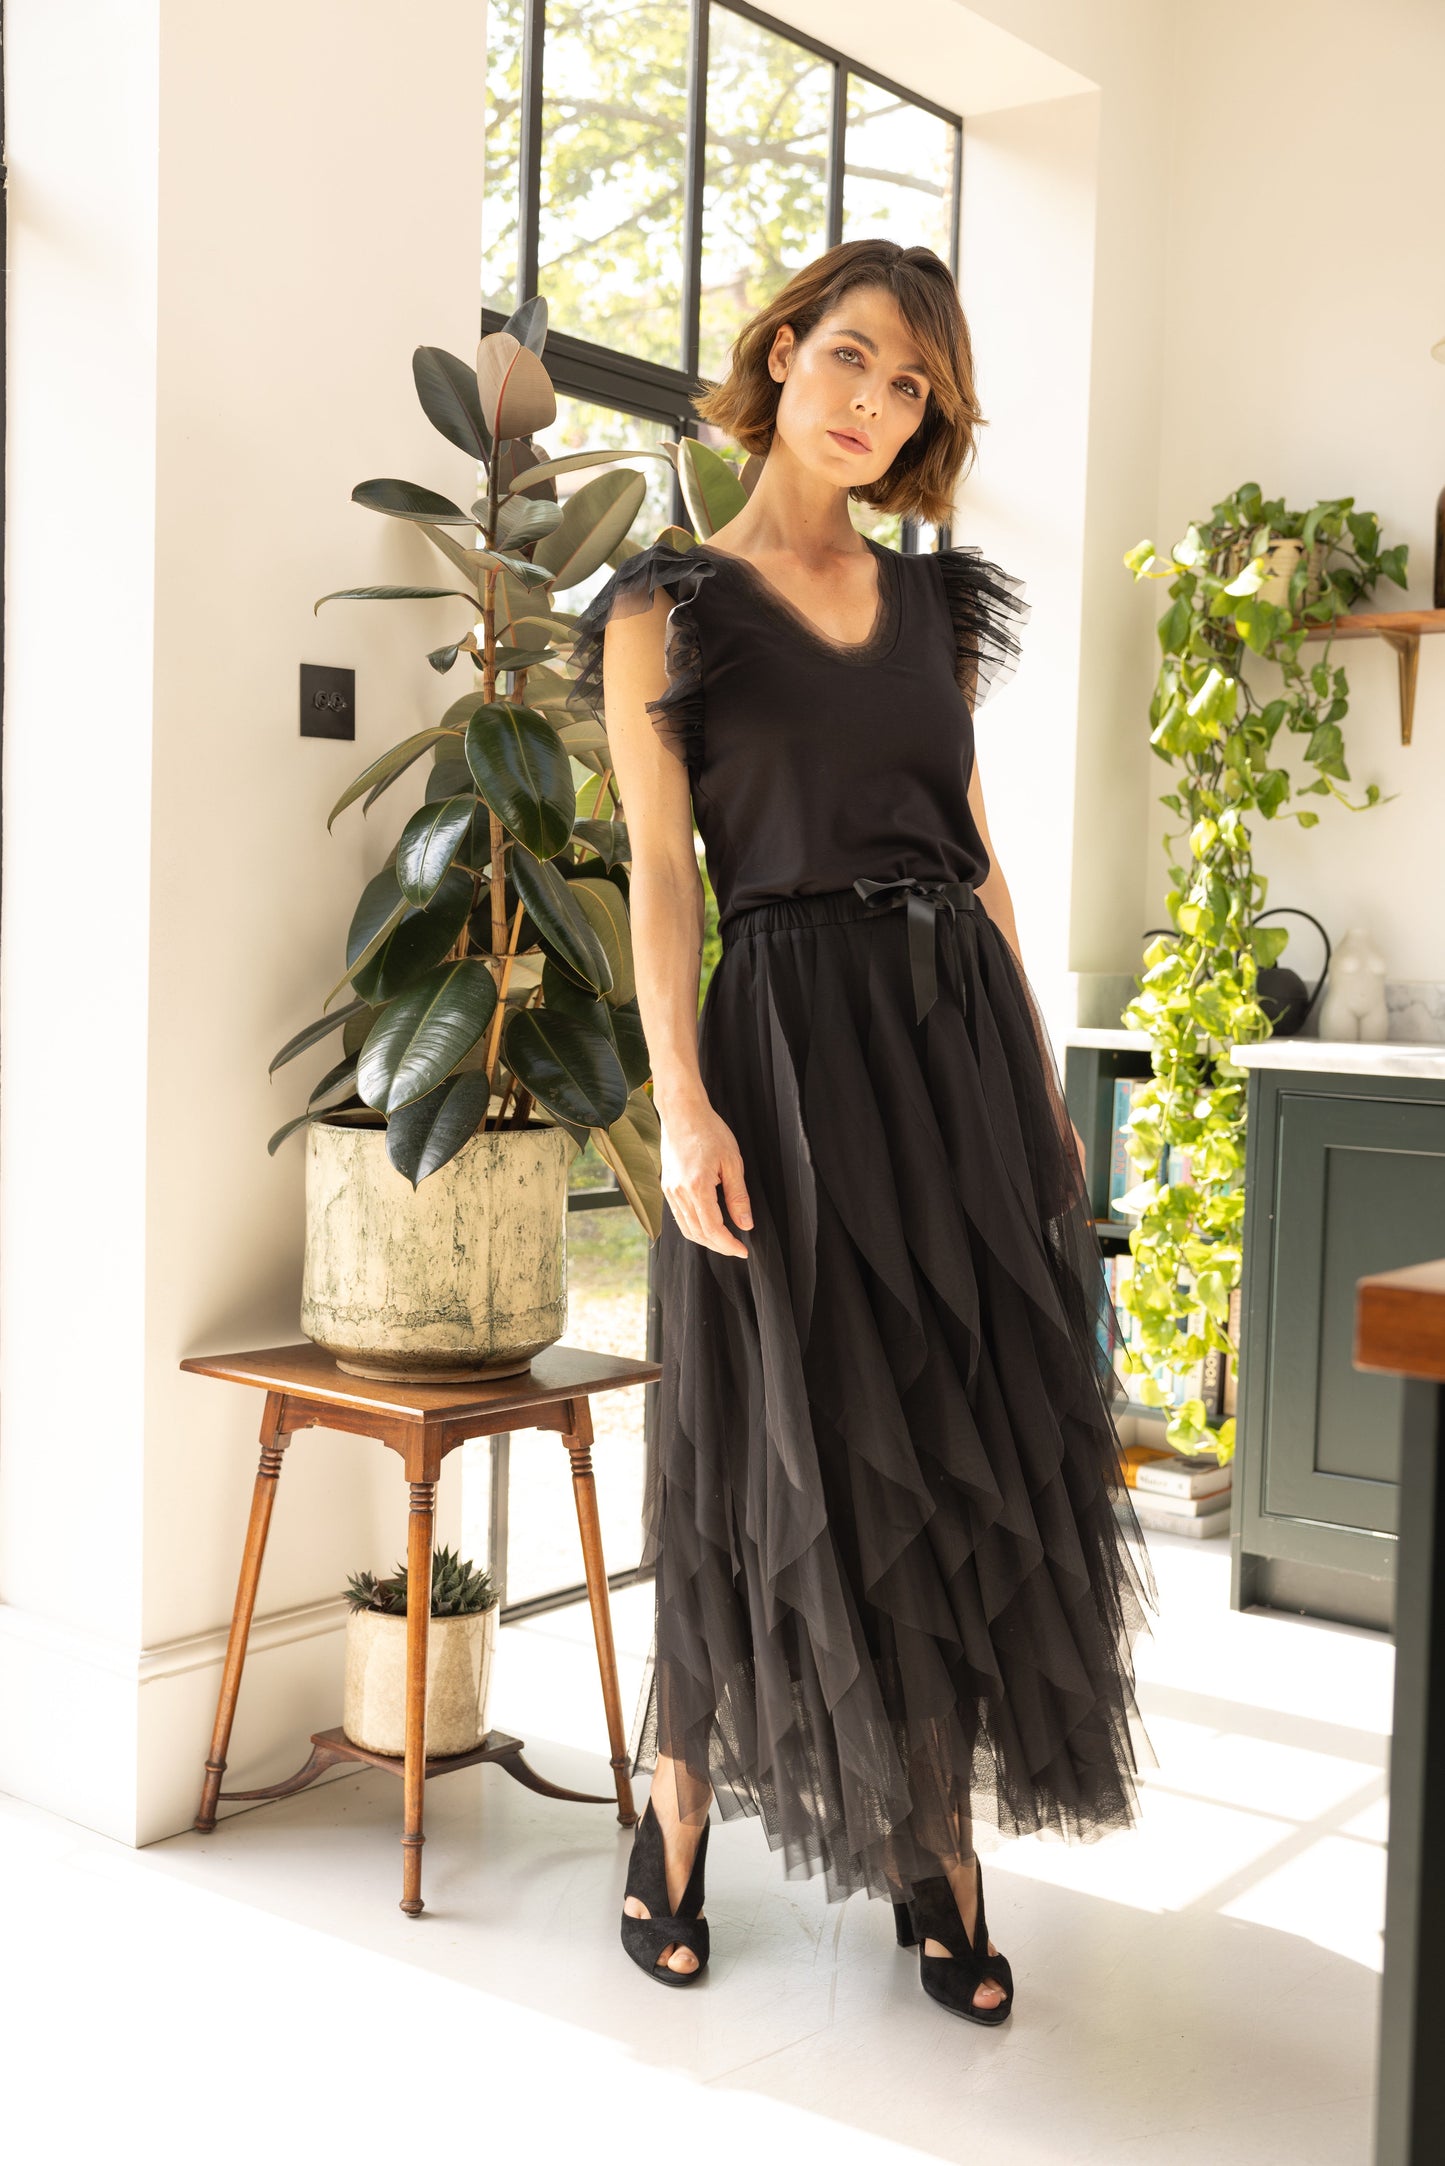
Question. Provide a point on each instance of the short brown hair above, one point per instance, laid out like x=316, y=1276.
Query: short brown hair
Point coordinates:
x=923, y=478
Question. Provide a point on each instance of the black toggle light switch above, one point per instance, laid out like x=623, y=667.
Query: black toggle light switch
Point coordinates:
x=328, y=701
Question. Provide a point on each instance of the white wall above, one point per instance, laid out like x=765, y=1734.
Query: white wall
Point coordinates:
x=1306, y=141
x=227, y=236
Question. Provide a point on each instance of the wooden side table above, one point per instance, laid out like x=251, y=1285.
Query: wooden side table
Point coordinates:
x=420, y=1422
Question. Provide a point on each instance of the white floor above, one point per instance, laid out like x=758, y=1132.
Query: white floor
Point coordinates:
x=1200, y=1993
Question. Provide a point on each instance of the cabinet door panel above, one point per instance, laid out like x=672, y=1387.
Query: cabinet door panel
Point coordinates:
x=1359, y=1187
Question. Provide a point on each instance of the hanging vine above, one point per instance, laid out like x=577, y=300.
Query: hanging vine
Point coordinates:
x=1251, y=580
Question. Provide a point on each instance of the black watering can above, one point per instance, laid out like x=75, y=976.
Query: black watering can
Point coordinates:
x=1281, y=993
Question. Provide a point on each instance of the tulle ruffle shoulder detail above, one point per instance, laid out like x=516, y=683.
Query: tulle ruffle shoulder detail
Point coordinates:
x=678, y=714
x=988, y=610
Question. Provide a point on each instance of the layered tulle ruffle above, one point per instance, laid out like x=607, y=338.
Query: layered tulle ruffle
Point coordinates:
x=677, y=714
x=894, y=1600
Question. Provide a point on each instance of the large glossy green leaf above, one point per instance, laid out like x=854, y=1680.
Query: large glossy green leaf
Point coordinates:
x=568, y=1065
x=528, y=324
x=562, y=925
x=522, y=519
x=562, y=995
x=607, y=837
x=711, y=489
x=594, y=521
x=456, y=551
x=408, y=500
x=631, y=1045
x=313, y=1034
x=521, y=458
x=450, y=775
x=358, y=1023
x=385, y=770
x=424, y=1135
x=429, y=843
x=344, y=1072
x=632, y=1147
x=346, y=1097
x=396, y=594
x=447, y=388
x=518, y=764
x=419, y=941
x=418, y=1038
x=516, y=391
x=607, y=915
x=548, y=469
x=378, y=913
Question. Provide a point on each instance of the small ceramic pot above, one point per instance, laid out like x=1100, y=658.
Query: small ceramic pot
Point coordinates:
x=458, y=1681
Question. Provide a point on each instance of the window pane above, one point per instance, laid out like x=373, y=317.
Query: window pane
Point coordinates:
x=614, y=149
x=766, y=188
x=503, y=154
x=897, y=171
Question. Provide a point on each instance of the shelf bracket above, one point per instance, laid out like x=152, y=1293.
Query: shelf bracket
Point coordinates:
x=1407, y=654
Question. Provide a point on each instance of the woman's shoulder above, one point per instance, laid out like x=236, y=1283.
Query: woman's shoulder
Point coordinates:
x=987, y=611
x=679, y=569
x=678, y=566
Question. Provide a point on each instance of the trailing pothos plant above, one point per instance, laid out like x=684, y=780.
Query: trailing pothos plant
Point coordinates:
x=489, y=961
x=1247, y=582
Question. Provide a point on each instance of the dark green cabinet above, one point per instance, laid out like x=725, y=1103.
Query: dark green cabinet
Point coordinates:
x=1345, y=1175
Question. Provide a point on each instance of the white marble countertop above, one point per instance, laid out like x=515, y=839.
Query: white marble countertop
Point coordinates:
x=1328, y=1056
x=1344, y=1056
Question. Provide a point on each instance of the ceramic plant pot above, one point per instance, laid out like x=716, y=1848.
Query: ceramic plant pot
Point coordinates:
x=1281, y=558
x=458, y=1681
x=463, y=1276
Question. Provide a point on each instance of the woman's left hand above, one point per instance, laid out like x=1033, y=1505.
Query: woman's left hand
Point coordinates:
x=1079, y=1147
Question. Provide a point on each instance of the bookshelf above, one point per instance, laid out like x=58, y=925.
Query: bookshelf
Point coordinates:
x=1094, y=1061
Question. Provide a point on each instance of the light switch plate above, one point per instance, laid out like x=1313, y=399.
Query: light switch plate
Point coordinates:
x=328, y=701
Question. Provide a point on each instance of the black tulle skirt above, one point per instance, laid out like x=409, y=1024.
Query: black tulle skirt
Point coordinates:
x=896, y=1598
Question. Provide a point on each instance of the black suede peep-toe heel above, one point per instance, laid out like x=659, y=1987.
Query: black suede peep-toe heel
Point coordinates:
x=953, y=1979
x=645, y=1938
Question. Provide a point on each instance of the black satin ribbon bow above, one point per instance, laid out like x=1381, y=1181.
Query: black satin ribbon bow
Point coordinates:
x=923, y=900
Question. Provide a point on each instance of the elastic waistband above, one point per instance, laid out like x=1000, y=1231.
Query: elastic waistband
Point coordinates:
x=923, y=900
x=832, y=906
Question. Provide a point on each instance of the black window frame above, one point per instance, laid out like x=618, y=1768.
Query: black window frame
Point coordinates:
x=649, y=390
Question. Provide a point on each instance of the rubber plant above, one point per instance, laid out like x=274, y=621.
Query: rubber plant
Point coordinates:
x=489, y=960
x=1246, y=586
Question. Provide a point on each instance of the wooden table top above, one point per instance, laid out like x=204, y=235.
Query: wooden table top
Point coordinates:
x=307, y=1371
x=1400, y=1321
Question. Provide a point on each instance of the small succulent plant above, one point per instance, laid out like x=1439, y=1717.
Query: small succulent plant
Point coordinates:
x=458, y=1588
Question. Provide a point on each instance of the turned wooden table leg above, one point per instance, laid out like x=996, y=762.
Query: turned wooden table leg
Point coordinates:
x=273, y=1445
x=418, y=1618
x=577, y=1437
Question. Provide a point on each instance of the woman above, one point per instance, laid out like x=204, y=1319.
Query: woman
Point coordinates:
x=892, y=1592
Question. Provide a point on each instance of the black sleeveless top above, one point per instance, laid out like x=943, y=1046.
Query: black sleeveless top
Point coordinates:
x=812, y=760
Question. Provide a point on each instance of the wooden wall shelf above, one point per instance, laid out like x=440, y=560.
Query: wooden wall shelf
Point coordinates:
x=1400, y=628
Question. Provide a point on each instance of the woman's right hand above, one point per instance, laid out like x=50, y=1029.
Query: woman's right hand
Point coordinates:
x=700, y=1155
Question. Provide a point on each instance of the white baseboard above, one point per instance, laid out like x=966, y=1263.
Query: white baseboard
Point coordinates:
x=115, y=1737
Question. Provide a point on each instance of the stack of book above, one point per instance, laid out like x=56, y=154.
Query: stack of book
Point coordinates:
x=1178, y=1492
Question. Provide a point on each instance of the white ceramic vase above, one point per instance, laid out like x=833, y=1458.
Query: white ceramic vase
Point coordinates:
x=458, y=1681
x=463, y=1276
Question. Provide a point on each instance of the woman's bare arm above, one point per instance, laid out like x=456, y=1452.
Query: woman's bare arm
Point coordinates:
x=699, y=1152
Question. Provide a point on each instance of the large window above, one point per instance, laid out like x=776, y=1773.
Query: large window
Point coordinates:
x=658, y=169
